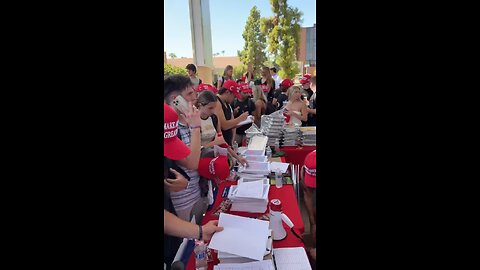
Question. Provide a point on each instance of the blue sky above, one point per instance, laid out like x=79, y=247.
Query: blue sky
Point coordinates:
x=228, y=18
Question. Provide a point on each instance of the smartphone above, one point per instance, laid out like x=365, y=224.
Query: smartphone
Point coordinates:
x=180, y=104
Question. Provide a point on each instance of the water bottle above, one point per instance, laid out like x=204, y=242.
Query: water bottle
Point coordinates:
x=200, y=255
x=278, y=178
x=235, y=147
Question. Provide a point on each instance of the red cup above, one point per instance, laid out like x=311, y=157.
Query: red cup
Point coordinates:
x=287, y=117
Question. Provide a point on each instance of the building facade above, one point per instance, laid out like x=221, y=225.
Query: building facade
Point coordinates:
x=307, y=49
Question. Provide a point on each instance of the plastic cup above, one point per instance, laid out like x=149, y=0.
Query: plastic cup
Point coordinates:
x=278, y=178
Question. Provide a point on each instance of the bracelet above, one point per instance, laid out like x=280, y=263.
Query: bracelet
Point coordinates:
x=193, y=127
x=200, y=232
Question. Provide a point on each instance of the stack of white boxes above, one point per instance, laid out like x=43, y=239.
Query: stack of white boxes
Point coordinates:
x=309, y=135
x=272, y=126
x=290, y=136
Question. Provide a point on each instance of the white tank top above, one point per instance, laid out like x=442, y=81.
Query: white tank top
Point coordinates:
x=208, y=131
x=294, y=120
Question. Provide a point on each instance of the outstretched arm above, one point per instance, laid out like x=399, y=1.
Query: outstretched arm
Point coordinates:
x=173, y=225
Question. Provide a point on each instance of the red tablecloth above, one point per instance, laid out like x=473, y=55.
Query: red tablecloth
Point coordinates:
x=295, y=154
x=290, y=207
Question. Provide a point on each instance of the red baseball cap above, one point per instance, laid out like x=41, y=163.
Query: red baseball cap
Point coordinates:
x=286, y=83
x=245, y=88
x=233, y=87
x=205, y=86
x=305, y=79
x=310, y=168
x=214, y=167
x=173, y=147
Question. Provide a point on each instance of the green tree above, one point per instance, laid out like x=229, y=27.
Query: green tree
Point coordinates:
x=255, y=41
x=283, y=35
x=172, y=55
x=239, y=70
x=169, y=70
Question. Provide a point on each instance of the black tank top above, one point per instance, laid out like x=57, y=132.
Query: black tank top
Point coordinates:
x=227, y=111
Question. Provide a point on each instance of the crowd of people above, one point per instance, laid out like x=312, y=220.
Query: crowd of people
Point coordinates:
x=200, y=117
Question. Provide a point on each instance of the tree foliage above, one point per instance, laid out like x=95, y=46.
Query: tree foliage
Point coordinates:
x=283, y=36
x=239, y=70
x=169, y=70
x=255, y=41
x=172, y=55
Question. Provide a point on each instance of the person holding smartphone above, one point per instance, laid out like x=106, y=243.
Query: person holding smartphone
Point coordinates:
x=178, y=92
x=174, y=178
x=180, y=95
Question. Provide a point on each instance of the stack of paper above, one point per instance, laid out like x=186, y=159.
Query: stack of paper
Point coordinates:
x=262, y=179
x=254, y=158
x=255, y=168
x=291, y=259
x=241, y=236
x=260, y=265
x=250, y=196
x=225, y=257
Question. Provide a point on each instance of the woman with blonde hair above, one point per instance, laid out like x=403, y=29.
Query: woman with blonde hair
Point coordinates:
x=269, y=84
x=260, y=104
x=296, y=109
x=227, y=75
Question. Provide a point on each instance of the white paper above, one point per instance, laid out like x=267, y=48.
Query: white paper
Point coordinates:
x=248, y=179
x=258, y=158
x=225, y=255
x=246, y=237
x=249, y=204
x=252, y=189
x=291, y=259
x=247, y=121
x=256, y=168
x=260, y=265
x=251, y=175
x=279, y=165
x=249, y=152
x=258, y=142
